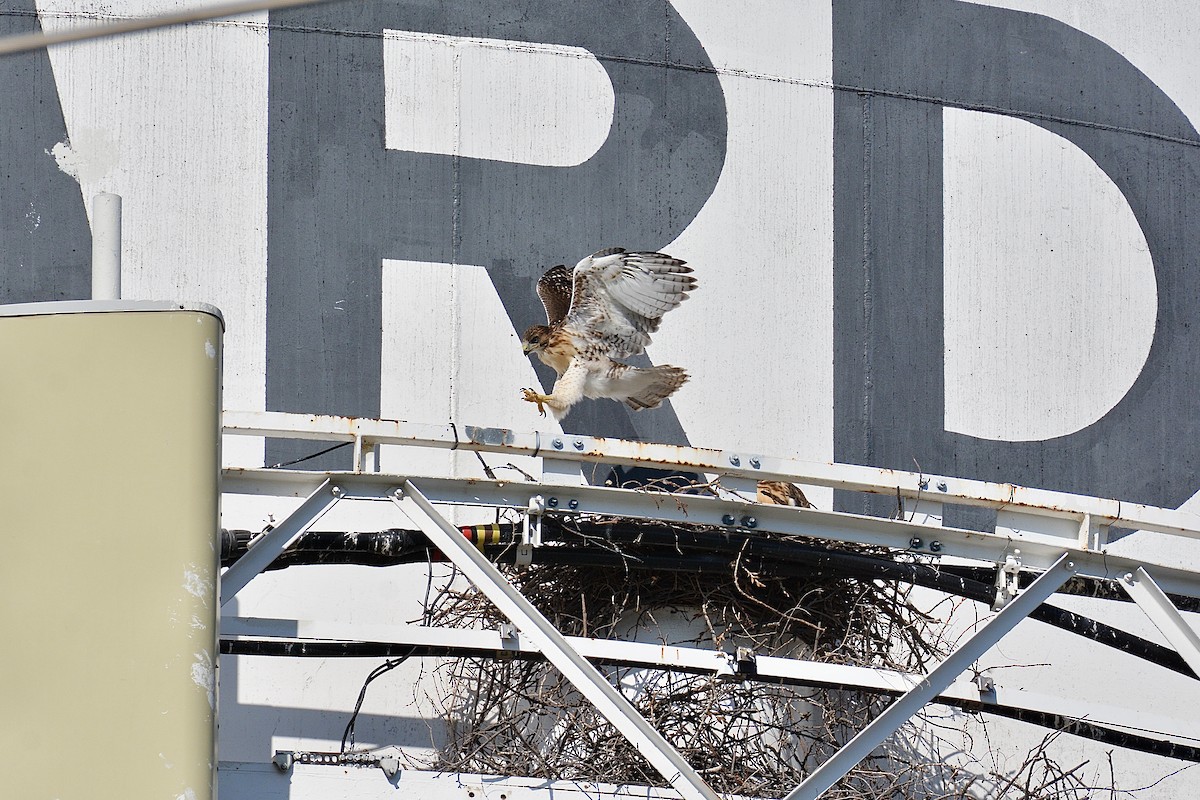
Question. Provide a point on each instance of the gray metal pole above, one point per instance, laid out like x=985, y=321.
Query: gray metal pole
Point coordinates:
x=106, y=247
x=899, y=712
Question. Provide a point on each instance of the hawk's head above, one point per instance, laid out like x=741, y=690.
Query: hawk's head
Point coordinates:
x=535, y=339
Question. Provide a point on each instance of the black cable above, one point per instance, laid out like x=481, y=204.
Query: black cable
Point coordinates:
x=1077, y=727
x=387, y=666
x=310, y=457
x=678, y=549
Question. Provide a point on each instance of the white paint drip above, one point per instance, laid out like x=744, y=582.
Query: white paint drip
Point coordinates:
x=202, y=676
x=88, y=155
x=33, y=219
x=209, y=349
x=188, y=794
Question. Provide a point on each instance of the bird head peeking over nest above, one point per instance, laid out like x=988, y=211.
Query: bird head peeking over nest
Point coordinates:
x=605, y=309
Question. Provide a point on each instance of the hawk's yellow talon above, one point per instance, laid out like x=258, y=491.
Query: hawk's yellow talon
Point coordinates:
x=533, y=397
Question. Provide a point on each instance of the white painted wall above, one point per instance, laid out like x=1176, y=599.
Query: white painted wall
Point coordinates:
x=1046, y=273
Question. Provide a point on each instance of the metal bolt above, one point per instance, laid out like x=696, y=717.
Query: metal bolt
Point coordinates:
x=573, y=504
x=398, y=493
x=1128, y=578
x=935, y=546
x=728, y=519
x=336, y=491
x=924, y=485
x=735, y=460
x=558, y=444
x=552, y=502
x=754, y=462
x=942, y=486
x=578, y=444
x=1071, y=566
x=915, y=543
x=749, y=522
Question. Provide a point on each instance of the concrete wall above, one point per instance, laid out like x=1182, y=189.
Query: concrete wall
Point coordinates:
x=940, y=234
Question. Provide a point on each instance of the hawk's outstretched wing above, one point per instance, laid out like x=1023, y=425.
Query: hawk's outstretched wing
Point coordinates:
x=554, y=288
x=619, y=298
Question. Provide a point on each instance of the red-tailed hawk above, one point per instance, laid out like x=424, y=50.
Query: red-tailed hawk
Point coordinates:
x=603, y=310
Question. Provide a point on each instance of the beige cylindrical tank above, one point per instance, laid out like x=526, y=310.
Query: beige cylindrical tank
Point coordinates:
x=109, y=468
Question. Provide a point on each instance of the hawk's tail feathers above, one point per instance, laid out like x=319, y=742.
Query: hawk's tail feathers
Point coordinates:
x=653, y=385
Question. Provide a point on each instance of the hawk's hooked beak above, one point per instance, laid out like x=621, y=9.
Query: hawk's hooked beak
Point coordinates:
x=528, y=347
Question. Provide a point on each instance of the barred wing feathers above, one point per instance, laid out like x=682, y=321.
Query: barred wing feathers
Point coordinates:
x=554, y=289
x=619, y=298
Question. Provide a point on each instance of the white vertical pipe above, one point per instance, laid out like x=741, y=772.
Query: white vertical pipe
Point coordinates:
x=106, y=247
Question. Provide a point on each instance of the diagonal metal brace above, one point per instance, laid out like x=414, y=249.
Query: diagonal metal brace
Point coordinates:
x=553, y=645
x=908, y=704
x=1165, y=616
x=267, y=549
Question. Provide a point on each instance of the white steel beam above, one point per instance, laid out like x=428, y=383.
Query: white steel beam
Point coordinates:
x=1037, y=552
x=574, y=667
x=270, y=545
x=702, y=661
x=852, y=477
x=1162, y=612
x=887, y=723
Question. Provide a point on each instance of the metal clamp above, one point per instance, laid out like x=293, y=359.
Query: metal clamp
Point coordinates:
x=737, y=666
x=1007, y=578
x=531, y=532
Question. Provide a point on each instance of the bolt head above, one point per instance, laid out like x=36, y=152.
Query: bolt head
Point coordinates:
x=754, y=462
x=573, y=504
x=735, y=461
x=336, y=491
x=749, y=522
x=578, y=444
x=915, y=543
x=924, y=485
x=1128, y=578
x=728, y=519
x=552, y=502
x=942, y=486
x=558, y=444
x=935, y=546
x=398, y=493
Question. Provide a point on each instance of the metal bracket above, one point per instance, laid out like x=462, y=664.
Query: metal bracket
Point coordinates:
x=1007, y=580
x=531, y=532
x=737, y=666
x=1092, y=535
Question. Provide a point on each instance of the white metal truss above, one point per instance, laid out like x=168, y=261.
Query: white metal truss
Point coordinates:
x=1052, y=533
x=700, y=661
x=574, y=667
x=1162, y=612
x=887, y=723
